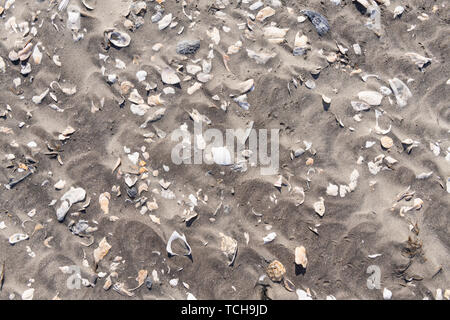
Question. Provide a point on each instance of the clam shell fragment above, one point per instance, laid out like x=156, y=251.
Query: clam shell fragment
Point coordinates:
x=17, y=237
x=169, y=76
x=175, y=235
x=300, y=257
x=119, y=39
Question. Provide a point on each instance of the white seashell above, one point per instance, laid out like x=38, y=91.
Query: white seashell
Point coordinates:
x=265, y=13
x=319, y=207
x=139, y=109
x=300, y=256
x=17, y=237
x=135, y=97
x=74, y=195
x=194, y=88
x=270, y=237
x=173, y=282
x=359, y=106
x=274, y=32
x=119, y=39
x=2, y=65
x=89, y=4
x=37, y=55
x=175, y=235
x=448, y=185
x=398, y=11
x=165, y=21
x=193, y=69
x=141, y=75
x=387, y=294
x=424, y=175
x=38, y=99
x=401, y=91
x=214, y=35
x=25, y=69
x=134, y=157
x=372, y=98
x=204, y=77
x=419, y=60
x=256, y=5
x=28, y=294
x=56, y=61
x=303, y=295
x=169, y=76
x=60, y=185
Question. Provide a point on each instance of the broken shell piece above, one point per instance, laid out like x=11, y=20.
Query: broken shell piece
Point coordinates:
x=372, y=98
x=74, y=195
x=37, y=55
x=300, y=44
x=229, y=248
x=17, y=237
x=38, y=99
x=2, y=65
x=398, y=11
x=319, y=207
x=119, y=39
x=270, y=237
x=276, y=271
x=419, y=60
x=169, y=76
x=300, y=257
x=175, y=235
x=264, y=13
x=101, y=251
x=103, y=199
x=60, y=185
x=165, y=21
x=28, y=294
x=89, y=4
x=401, y=91
x=326, y=100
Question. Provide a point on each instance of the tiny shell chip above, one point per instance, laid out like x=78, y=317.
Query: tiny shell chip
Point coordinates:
x=276, y=271
x=265, y=13
x=386, y=142
x=101, y=251
x=169, y=76
x=104, y=202
x=17, y=237
x=300, y=257
x=319, y=207
x=119, y=39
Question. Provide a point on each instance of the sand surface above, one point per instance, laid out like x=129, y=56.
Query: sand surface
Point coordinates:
x=405, y=239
